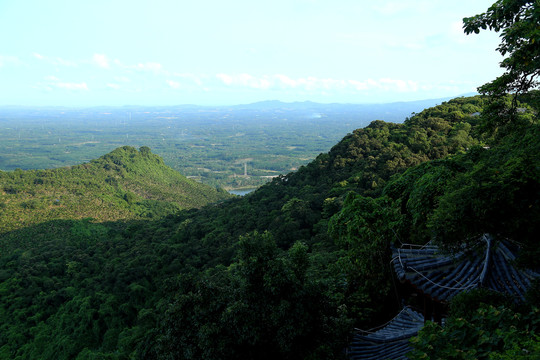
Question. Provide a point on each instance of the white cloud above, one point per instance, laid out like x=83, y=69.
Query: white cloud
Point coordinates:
x=173, y=84
x=54, y=82
x=285, y=80
x=64, y=62
x=123, y=79
x=147, y=66
x=315, y=84
x=394, y=7
x=227, y=79
x=359, y=85
x=72, y=86
x=197, y=79
x=398, y=85
x=130, y=77
x=101, y=60
x=262, y=82
x=5, y=60
x=56, y=61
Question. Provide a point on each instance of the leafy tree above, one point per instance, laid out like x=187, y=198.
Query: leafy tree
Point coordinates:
x=520, y=43
x=263, y=306
x=499, y=194
x=490, y=333
x=364, y=228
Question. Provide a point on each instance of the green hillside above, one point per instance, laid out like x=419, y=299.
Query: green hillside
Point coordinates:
x=285, y=272
x=124, y=184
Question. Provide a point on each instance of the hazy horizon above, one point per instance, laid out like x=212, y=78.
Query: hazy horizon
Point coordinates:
x=238, y=104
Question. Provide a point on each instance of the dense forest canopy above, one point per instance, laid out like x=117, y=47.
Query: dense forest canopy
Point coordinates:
x=124, y=184
x=288, y=271
x=314, y=242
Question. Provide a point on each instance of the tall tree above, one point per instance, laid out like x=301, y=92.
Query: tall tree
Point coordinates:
x=519, y=23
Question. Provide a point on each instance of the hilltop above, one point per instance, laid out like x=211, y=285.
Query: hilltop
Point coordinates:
x=124, y=184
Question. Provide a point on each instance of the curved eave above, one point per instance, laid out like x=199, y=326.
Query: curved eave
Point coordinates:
x=389, y=342
x=441, y=276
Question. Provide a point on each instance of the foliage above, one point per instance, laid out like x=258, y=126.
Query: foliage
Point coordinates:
x=466, y=304
x=499, y=194
x=490, y=333
x=262, y=271
x=454, y=200
x=364, y=228
x=263, y=306
x=416, y=193
x=486, y=190
x=520, y=38
x=123, y=184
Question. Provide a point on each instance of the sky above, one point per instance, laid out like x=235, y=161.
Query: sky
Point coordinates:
x=215, y=52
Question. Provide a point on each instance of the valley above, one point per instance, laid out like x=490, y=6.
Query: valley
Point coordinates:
x=217, y=146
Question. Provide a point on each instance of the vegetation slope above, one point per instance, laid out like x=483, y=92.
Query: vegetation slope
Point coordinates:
x=124, y=184
x=285, y=272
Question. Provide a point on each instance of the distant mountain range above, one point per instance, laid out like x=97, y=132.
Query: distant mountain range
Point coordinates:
x=394, y=111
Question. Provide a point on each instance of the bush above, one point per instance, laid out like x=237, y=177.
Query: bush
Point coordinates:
x=489, y=333
x=465, y=304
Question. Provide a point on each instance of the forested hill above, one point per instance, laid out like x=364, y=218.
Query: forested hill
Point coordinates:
x=125, y=184
x=283, y=273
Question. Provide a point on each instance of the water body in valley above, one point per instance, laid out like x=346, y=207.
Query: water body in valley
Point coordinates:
x=242, y=192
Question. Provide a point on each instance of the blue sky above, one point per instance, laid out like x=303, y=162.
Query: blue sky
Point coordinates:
x=210, y=52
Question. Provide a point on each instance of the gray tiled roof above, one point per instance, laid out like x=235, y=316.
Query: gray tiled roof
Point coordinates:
x=389, y=342
x=442, y=276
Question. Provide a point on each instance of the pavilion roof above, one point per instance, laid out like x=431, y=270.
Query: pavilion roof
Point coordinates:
x=441, y=275
x=391, y=341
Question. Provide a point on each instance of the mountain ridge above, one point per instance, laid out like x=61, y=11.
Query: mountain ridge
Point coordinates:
x=269, y=102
